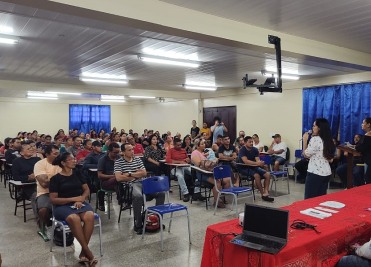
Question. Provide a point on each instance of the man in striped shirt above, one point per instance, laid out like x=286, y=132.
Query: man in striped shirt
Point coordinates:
x=131, y=169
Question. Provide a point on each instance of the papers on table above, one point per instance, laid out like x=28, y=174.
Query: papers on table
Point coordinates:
x=321, y=212
x=333, y=204
x=316, y=213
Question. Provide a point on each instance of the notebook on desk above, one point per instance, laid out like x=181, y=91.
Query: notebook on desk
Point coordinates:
x=264, y=229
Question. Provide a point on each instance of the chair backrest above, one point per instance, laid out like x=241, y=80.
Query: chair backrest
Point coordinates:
x=298, y=153
x=265, y=148
x=266, y=158
x=155, y=184
x=222, y=171
x=287, y=154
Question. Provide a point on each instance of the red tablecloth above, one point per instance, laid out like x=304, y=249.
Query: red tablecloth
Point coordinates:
x=305, y=247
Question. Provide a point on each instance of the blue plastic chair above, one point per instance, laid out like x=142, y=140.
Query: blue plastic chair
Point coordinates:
x=276, y=175
x=157, y=184
x=66, y=229
x=224, y=172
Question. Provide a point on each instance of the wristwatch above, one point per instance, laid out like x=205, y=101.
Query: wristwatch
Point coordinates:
x=129, y=174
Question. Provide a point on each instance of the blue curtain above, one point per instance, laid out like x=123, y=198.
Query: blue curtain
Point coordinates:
x=87, y=117
x=321, y=102
x=355, y=106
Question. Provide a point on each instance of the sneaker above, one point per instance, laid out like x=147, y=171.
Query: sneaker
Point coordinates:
x=268, y=198
x=101, y=208
x=186, y=198
x=138, y=230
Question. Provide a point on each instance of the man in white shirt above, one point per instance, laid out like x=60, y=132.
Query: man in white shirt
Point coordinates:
x=277, y=150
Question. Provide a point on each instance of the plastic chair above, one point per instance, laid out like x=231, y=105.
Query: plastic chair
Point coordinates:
x=157, y=184
x=277, y=175
x=66, y=229
x=107, y=193
x=224, y=172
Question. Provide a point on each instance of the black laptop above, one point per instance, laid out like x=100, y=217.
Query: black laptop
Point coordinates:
x=264, y=229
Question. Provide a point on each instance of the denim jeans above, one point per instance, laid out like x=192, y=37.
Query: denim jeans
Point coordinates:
x=180, y=175
x=315, y=185
x=353, y=261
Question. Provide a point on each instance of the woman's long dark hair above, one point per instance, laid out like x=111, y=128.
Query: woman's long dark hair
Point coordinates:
x=325, y=133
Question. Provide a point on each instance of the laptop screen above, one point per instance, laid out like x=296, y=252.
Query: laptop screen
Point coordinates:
x=265, y=220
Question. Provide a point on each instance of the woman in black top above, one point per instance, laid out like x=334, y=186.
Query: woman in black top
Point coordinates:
x=68, y=191
x=364, y=146
x=187, y=144
x=152, y=154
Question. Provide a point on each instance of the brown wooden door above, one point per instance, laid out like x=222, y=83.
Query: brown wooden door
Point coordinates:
x=228, y=116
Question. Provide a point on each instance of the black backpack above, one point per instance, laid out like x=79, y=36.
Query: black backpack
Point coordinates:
x=58, y=237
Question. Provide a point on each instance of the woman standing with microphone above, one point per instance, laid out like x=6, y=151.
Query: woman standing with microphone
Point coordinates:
x=320, y=152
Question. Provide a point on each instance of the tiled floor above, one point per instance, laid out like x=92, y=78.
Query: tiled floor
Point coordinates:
x=21, y=246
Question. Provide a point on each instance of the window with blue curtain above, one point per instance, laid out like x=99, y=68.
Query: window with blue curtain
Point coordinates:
x=321, y=102
x=87, y=117
x=344, y=106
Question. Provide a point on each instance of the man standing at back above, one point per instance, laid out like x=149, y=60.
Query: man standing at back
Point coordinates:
x=218, y=128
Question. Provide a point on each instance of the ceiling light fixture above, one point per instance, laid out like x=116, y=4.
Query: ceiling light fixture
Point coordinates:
x=182, y=63
x=63, y=93
x=41, y=94
x=42, y=97
x=199, y=87
x=112, y=100
x=6, y=29
x=112, y=97
x=141, y=97
x=7, y=39
x=283, y=76
x=83, y=79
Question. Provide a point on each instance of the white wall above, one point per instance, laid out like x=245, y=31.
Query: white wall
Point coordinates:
x=169, y=116
x=46, y=116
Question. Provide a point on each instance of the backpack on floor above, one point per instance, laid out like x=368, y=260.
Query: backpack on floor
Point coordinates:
x=58, y=237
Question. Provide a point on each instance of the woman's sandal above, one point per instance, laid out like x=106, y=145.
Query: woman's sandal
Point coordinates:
x=93, y=262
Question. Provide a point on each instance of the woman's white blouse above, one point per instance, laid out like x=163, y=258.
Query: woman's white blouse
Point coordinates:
x=318, y=164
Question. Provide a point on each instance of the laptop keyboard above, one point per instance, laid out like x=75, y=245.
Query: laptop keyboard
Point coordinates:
x=260, y=241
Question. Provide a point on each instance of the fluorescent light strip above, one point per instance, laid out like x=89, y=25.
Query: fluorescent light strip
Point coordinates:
x=6, y=29
x=143, y=97
x=41, y=94
x=6, y=40
x=202, y=88
x=103, y=80
x=169, y=62
x=112, y=97
x=63, y=93
x=112, y=100
x=103, y=76
x=42, y=97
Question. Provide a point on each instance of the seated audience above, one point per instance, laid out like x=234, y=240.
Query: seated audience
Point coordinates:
x=178, y=155
x=13, y=151
x=227, y=155
x=168, y=143
x=358, y=171
x=23, y=169
x=68, y=191
x=106, y=172
x=197, y=157
x=217, y=144
x=152, y=156
x=361, y=256
x=277, y=150
x=206, y=131
x=249, y=155
x=43, y=171
x=129, y=168
x=76, y=148
x=82, y=154
x=35, y=152
x=257, y=144
x=187, y=144
x=67, y=145
x=138, y=148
